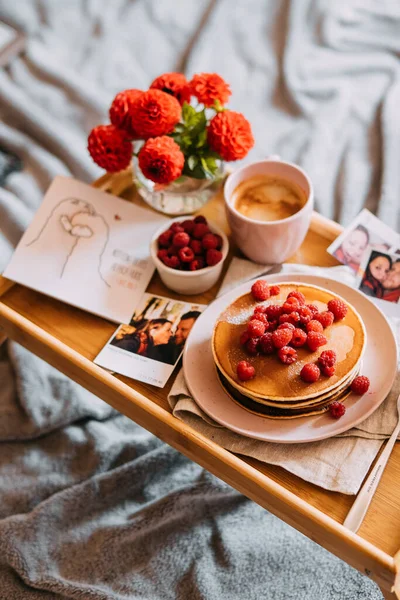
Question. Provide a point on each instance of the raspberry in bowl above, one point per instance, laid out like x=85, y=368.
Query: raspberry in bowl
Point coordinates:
x=189, y=254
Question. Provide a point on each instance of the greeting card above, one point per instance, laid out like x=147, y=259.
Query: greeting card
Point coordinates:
x=87, y=248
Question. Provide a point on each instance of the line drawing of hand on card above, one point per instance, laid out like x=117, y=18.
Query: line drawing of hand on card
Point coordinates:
x=54, y=240
x=91, y=234
x=75, y=230
x=80, y=236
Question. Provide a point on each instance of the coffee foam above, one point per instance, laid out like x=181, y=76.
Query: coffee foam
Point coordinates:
x=268, y=198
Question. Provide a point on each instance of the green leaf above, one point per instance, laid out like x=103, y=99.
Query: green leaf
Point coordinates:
x=179, y=128
x=187, y=112
x=195, y=121
x=207, y=171
x=201, y=139
x=197, y=173
x=186, y=140
x=209, y=165
x=192, y=162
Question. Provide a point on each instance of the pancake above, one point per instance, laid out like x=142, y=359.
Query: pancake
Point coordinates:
x=312, y=401
x=279, y=413
x=274, y=381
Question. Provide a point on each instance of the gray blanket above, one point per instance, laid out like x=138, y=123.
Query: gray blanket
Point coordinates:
x=91, y=505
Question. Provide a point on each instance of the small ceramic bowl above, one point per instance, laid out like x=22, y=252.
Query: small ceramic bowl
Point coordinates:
x=189, y=282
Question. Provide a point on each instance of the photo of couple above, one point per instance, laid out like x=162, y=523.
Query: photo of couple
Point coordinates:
x=381, y=278
x=158, y=329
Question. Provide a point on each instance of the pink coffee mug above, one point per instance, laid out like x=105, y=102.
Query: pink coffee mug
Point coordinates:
x=269, y=242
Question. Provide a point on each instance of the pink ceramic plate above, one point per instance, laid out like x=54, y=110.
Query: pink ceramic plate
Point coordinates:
x=379, y=363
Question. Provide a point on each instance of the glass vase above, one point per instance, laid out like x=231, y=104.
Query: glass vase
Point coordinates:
x=184, y=196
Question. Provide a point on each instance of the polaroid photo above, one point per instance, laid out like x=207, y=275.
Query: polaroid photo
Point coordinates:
x=357, y=240
x=149, y=347
x=379, y=276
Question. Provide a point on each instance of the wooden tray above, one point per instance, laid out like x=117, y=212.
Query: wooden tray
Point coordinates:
x=69, y=339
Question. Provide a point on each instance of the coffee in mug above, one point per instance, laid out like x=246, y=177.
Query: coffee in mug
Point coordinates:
x=269, y=206
x=268, y=198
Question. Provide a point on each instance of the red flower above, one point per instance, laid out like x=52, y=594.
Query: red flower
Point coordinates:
x=174, y=84
x=229, y=134
x=155, y=113
x=121, y=111
x=110, y=148
x=161, y=159
x=209, y=87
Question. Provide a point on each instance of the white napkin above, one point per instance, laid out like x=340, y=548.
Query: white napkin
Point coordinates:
x=338, y=464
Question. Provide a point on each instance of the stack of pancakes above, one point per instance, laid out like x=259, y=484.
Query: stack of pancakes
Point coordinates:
x=277, y=390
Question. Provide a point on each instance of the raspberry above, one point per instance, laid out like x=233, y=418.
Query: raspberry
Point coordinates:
x=315, y=340
x=328, y=371
x=176, y=228
x=299, y=338
x=181, y=239
x=305, y=315
x=313, y=308
x=338, y=308
x=266, y=344
x=287, y=355
x=274, y=290
x=360, y=385
x=200, y=230
x=252, y=345
x=260, y=309
x=188, y=226
x=273, y=325
x=209, y=241
x=200, y=219
x=164, y=239
x=173, y=262
x=186, y=254
x=260, y=317
x=299, y=296
x=213, y=257
x=172, y=251
x=310, y=373
x=256, y=328
x=327, y=358
x=281, y=337
x=337, y=410
x=245, y=370
x=162, y=254
x=273, y=312
x=219, y=241
x=196, y=246
x=244, y=338
x=293, y=318
x=284, y=318
x=325, y=318
x=260, y=290
x=286, y=326
x=295, y=302
x=314, y=325
x=290, y=305
x=197, y=264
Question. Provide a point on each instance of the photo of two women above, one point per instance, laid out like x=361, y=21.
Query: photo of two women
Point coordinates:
x=382, y=276
x=158, y=330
